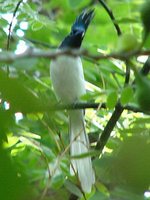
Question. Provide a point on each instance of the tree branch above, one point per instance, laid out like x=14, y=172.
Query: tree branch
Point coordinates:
x=87, y=105
x=77, y=105
x=10, y=57
x=118, y=111
x=109, y=127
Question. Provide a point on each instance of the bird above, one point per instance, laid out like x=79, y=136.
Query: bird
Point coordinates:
x=68, y=82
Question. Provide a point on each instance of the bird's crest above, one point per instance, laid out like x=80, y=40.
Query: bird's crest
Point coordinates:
x=78, y=29
x=83, y=20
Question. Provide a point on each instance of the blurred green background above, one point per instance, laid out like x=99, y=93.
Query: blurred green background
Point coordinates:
x=33, y=138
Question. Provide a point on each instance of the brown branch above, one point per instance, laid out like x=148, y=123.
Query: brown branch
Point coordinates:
x=10, y=57
x=88, y=105
x=81, y=105
x=75, y=106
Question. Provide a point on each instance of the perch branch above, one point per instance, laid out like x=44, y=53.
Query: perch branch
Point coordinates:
x=10, y=57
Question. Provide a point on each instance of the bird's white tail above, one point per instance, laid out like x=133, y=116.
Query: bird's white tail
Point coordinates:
x=80, y=145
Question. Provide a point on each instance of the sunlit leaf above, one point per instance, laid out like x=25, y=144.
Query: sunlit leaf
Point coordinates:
x=126, y=95
x=111, y=100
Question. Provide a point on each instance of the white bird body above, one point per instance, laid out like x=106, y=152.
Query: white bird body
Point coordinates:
x=69, y=85
x=67, y=72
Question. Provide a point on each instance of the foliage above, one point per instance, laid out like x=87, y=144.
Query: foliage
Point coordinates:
x=34, y=141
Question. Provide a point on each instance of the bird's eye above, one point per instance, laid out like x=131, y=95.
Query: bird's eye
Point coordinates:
x=83, y=34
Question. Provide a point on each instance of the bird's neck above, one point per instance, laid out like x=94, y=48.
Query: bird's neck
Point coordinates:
x=71, y=42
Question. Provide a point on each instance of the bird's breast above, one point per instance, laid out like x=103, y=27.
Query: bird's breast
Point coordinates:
x=67, y=78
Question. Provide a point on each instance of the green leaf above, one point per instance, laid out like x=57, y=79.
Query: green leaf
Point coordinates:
x=57, y=181
x=6, y=121
x=111, y=100
x=100, y=196
x=12, y=186
x=21, y=99
x=143, y=91
x=31, y=142
x=73, y=188
x=134, y=151
x=126, y=95
x=121, y=193
x=26, y=9
x=36, y=25
x=127, y=42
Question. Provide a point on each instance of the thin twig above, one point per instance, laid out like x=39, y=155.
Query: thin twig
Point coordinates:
x=49, y=176
x=10, y=27
x=119, y=32
x=110, y=13
x=11, y=23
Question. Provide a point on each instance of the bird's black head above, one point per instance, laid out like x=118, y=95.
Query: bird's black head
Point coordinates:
x=78, y=29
